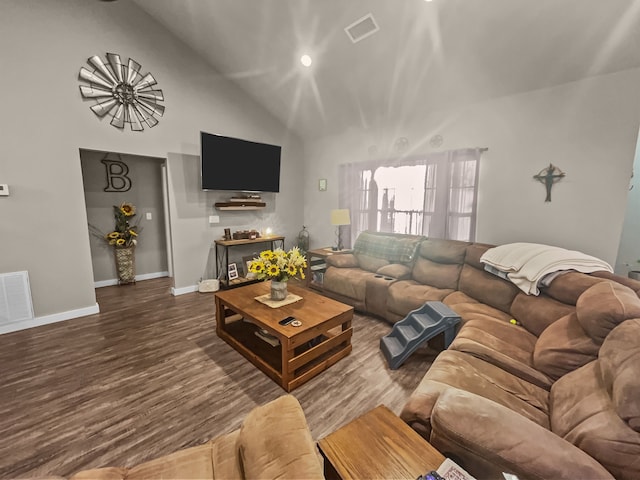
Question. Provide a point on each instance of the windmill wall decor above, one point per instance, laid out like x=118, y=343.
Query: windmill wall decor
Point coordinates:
x=122, y=92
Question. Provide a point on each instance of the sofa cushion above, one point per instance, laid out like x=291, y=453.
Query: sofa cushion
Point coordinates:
x=342, y=260
x=107, y=473
x=563, y=347
x=474, y=253
x=266, y=453
x=370, y=263
x=626, y=281
x=583, y=413
x=466, y=372
x=464, y=424
x=188, y=464
x=476, y=310
x=407, y=295
x=225, y=456
x=605, y=305
x=440, y=275
x=568, y=287
x=507, y=346
x=619, y=358
x=443, y=251
x=536, y=313
x=457, y=297
x=348, y=282
x=439, y=263
x=394, y=248
x=575, y=339
x=487, y=288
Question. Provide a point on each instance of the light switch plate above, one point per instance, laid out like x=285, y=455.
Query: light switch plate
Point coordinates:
x=148, y=216
x=4, y=190
x=214, y=219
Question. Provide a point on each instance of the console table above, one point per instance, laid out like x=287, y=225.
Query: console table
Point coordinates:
x=222, y=257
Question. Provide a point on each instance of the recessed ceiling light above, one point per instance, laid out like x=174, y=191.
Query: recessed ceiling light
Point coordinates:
x=305, y=60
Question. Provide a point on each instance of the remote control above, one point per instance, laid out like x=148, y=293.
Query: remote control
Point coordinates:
x=286, y=321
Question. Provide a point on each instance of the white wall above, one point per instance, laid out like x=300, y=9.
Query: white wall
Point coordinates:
x=587, y=128
x=45, y=122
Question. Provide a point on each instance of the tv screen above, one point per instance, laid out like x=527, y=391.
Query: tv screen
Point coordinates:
x=241, y=165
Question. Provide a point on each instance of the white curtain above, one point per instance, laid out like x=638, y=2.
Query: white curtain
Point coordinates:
x=434, y=195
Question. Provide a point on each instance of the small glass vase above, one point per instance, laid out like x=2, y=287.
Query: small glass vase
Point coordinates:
x=278, y=290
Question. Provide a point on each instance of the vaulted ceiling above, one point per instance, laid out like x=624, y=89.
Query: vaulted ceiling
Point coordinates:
x=427, y=55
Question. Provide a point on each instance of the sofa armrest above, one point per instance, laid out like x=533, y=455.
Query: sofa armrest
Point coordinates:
x=488, y=438
x=342, y=260
x=275, y=442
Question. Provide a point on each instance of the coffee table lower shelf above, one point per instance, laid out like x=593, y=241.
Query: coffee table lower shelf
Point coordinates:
x=304, y=363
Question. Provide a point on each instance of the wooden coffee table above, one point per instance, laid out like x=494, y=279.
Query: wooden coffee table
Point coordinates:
x=303, y=352
x=377, y=445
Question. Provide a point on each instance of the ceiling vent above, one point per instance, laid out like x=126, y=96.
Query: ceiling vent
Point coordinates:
x=362, y=28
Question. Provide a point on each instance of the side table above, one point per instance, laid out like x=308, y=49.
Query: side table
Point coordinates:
x=377, y=444
x=316, y=265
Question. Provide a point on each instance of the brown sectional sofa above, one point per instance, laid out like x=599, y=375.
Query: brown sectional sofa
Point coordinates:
x=557, y=395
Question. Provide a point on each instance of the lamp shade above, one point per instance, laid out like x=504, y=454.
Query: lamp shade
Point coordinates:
x=340, y=217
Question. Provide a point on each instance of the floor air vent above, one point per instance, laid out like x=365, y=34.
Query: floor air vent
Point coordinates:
x=15, y=298
x=362, y=28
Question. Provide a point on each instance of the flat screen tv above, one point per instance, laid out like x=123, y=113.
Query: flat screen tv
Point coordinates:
x=241, y=165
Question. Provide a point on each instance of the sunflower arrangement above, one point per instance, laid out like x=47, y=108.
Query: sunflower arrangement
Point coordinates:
x=124, y=234
x=279, y=265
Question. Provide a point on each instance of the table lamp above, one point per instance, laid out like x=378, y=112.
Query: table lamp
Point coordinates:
x=339, y=217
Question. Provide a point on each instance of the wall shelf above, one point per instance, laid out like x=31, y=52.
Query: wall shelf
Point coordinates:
x=240, y=205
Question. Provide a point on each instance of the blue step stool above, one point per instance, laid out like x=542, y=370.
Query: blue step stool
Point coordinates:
x=416, y=328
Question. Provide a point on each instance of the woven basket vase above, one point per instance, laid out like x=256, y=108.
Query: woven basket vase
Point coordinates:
x=125, y=264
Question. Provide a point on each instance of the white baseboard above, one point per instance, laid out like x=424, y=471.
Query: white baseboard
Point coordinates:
x=144, y=276
x=47, y=319
x=182, y=290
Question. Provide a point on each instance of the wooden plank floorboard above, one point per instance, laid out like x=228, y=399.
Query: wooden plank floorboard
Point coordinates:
x=148, y=376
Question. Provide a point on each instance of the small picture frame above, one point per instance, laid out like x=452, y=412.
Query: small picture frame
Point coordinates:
x=322, y=184
x=232, y=271
x=246, y=261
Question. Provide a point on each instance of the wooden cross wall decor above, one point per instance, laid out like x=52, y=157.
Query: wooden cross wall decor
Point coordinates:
x=549, y=176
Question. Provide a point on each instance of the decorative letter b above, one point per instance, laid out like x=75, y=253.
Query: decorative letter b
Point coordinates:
x=117, y=180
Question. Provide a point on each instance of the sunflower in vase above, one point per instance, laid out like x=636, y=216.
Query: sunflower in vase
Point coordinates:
x=278, y=265
x=125, y=232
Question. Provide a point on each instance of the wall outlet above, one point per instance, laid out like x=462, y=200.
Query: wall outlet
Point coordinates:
x=214, y=219
x=148, y=216
x=4, y=190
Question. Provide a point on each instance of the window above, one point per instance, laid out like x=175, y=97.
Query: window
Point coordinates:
x=434, y=195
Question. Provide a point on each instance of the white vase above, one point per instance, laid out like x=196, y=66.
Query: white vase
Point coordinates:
x=278, y=290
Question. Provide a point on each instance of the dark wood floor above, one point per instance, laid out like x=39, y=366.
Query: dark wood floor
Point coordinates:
x=148, y=376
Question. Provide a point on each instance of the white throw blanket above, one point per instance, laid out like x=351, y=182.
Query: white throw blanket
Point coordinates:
x=527, y=263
